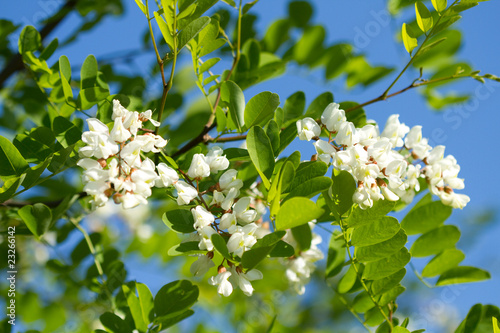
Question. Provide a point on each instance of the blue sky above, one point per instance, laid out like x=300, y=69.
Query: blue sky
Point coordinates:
x=465, y=130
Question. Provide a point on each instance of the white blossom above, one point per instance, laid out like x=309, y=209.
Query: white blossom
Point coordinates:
x=224, y=287
x=308, y=128
x=201, y=266
x=199, y=168
x=216, y=160
x=185, y=193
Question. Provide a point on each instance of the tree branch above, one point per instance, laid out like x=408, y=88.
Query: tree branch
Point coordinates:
x=16, y=62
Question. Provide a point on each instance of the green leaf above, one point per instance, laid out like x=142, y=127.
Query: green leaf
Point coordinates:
x=29, y=40
x=294, y=107
x=209, y=64
x=435, y=241
x=260, y=109
x=49, y=50
x=300, y=12
x=441, y=26
x=295, y=212
x=391, y=295
x=362, y=302
x=424, y=17
x=375, y=232
x=343, y=187
x=65, y=131
x=185, y=248
x=88, y=73
x=165, y=31
x=179, y=220
x=220, y=116
x=347, y=281
x=13, y=163
x=261, y=153
x=306, y=49
x=114, y=323
x=232, y=94
x=221, y=246
x=308, y=170
x=273, y=133
x=381, y=250
x=9, y=188
x=37, y=218
x=496, y=328
x=336, y=255
x=89, y=97
x=384, y=267
x=134, y=306
x=287, y=136
x=174, y=297
x=173, y=318
x=426, y=218
x=311, y=187
x=191, y=30
x=248, y=6
x=364, y=216
x=34, y=173
x=65, y=67
x=303, y=235
x=399, y=329
x=276, y=35
x=261, y=249
x=462, y=274
x=385, y=284
x=146, y=302
x=409, y=40
x=282, y=250
x=318, y=105
x=141, y=6
x=444, y=261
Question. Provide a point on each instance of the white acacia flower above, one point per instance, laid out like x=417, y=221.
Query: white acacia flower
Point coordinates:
x=148, y=115
x=205, y=235
x=216, y=160
x=185, y=192
x=436, y=154
x=455, y=200
x=118, y=110
x=347, y=135
x=308, y=128
x=199, y=168
x=243, y=279
x=131, y=200
x=229, y=180
x=228, y=222
x=167, y=175
x=244, y=214
x=131, y=154
x=150, y=142
x=202, y=217
x=132, y=122
x=224, y=287
x=242, y=239
x=368, y=135
x=395, y=131
x=201, y=266
x=325, y=151
x=98, y=145
x=333, y=117
x=119, y=133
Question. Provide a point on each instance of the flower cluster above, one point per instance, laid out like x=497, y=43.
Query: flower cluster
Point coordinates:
x=300, y=267
x=112, y=161
x=237, y=220
x=385, y=165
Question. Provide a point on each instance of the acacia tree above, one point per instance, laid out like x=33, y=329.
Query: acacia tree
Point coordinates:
x=241, y=215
